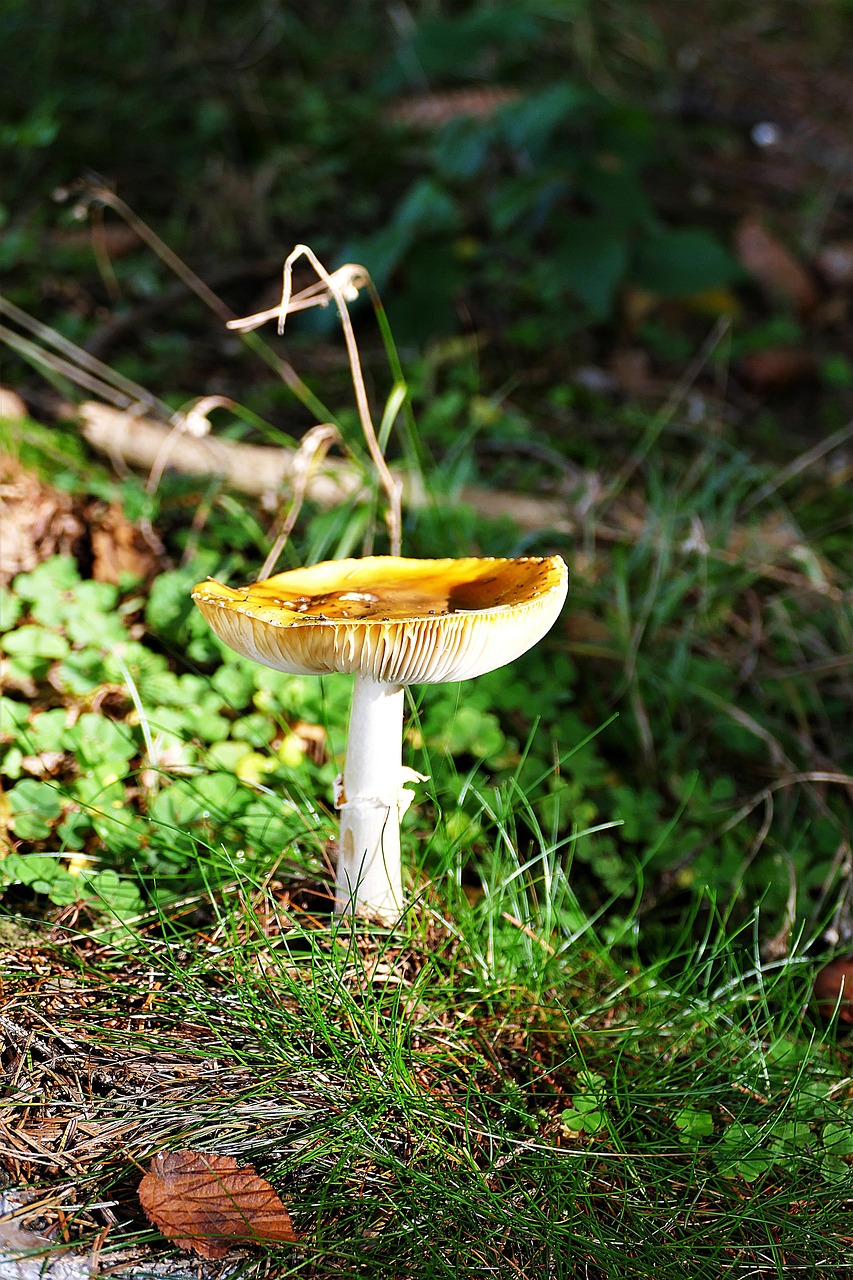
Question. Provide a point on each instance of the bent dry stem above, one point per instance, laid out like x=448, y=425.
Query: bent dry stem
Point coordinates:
x=369, y=801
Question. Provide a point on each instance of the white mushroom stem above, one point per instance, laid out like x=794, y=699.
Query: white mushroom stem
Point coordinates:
x=369, y=854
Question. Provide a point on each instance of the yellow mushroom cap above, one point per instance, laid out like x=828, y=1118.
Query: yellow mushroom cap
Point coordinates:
x=395, y=620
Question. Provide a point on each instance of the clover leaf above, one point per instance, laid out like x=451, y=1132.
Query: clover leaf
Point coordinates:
x=46, y=731
x=82, y=672
x=34, y=805
x=31, y=642
x=788, y=1139
x=235, y=682
x=47, y=580
x=741, y=1153
x=96, y=740
x=12, y=716
x=693, y=1125
x=837, y=1139
x=42, y=873
x=588, y=1113
x=120, y=895
x=10, y=609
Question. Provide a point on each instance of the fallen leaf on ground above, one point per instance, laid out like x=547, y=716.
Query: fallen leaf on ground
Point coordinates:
x=833, y=989
x=208, y=1203
x=776, y=540
x=772, y=265
x=779, y=367
x=431, y=110
x=36, y=520
x=312, y=739
x=632, y=370
x=119, y=548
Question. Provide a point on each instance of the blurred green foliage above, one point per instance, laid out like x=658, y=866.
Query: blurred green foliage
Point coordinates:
x=241, y=128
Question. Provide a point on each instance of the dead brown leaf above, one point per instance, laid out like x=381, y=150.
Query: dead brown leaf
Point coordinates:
x=776, y=540
x=208, y=1203
x=779, y=367
x=632, y=369
x=431, y=110
x=312, y=739
x=36, y=521
x=833, y=989
x=773, y=266
x=120, y=548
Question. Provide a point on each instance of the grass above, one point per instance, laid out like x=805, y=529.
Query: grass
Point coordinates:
x=590, y=1049
x=427, y=1113
x=514, y=1082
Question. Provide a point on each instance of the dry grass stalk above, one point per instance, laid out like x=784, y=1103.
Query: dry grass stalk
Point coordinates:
x=343, y=287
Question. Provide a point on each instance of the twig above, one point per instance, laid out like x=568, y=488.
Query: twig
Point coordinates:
x=194, y=423
x=261, y=469
x=98, y=194
x=253, y=469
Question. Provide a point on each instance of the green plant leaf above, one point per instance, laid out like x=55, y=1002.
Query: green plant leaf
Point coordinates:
x=426, y=210
x=35, y=806
x=446, y=45
x=587, y=1113
x=227, y=755
x=235, y=682
x=82, y=671
x=12, y=762
x=693, y=1125
x=11, y=609
x=740, y=1153
x=529, y=123
x=13, y=715
x=838, y=1138
x=48, y=580
x=462, y=149
x=115, y=892
x=31, y=642
x=789, y=1138
x=47, y=730
x=581, y=1120
x=39, y=872
x=674, y=263
x=591, y=260
x=95, y=740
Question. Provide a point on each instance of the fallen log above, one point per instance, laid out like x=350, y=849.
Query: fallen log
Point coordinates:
x=255, y=469
x=772, y=548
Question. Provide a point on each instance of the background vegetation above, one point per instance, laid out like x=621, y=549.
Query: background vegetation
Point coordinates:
x=618, y=279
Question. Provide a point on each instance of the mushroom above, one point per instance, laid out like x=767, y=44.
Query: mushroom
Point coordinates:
x=392, y=622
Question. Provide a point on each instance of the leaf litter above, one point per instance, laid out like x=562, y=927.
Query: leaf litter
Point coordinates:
x=208, y=1203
